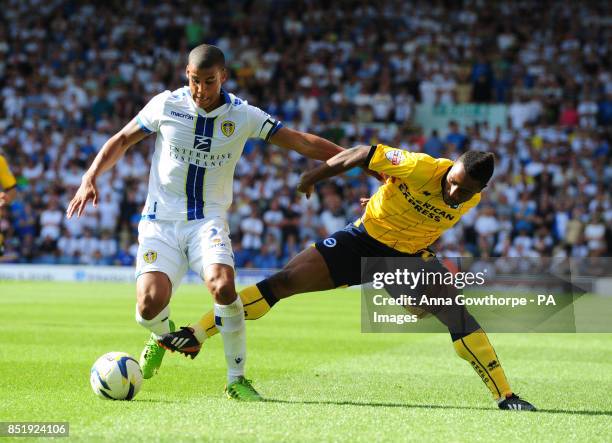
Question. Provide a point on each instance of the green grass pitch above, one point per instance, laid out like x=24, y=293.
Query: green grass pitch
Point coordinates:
x=325, y=381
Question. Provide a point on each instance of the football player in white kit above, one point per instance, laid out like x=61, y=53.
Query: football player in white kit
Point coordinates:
x=201, y=131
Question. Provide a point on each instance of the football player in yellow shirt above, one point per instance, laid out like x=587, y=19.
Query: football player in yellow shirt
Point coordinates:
x=422, y=198
x=7, y=192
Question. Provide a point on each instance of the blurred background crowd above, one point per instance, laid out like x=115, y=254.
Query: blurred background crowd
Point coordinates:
x=73, y=73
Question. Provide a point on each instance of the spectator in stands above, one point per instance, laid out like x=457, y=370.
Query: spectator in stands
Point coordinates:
x=455, y=139
x=267, y=257
x=67, y=248
x=434, y=146
x=273, y=219
x=595, y=235
x=51, y=220
x=569, y=114
x=332, y=218
x=252, y=228
x=487, y=227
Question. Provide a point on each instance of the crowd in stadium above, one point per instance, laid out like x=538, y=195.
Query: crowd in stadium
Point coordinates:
x=72, y=74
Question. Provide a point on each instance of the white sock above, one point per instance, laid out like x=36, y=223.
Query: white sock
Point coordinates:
x=230, y=322
x=158, y=325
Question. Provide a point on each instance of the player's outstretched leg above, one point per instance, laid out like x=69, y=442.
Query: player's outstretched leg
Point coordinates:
x=257, y=300
x=152, y=312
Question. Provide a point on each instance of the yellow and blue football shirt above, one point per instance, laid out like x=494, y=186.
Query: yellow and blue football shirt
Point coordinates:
x=408, y=212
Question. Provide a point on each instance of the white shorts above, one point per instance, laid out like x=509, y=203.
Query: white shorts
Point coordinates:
x=173, y=246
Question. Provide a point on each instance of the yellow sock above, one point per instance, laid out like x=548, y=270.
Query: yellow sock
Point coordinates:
x=476, y=349
x=207, y=323
x=255, y=306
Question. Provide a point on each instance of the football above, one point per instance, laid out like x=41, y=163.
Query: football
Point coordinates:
x=116, y=376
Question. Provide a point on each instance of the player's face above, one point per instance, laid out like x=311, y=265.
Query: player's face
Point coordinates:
x=205, y=85
x=459, y=187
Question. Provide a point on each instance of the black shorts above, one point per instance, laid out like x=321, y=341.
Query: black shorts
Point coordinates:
x=343, y=250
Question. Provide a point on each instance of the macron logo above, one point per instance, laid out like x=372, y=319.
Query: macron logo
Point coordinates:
x=181, y=115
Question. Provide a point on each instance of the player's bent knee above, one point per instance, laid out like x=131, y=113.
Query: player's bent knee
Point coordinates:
x=149, y=306
x=153, y=294
x=219, y=279
x=224, y=294
x=220, y=283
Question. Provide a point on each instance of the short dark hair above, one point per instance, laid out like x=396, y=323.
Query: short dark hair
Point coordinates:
x=479, y=165
x=206, y=56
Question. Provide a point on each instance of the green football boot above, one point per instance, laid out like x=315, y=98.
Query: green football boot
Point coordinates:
x=241, y=389
x=152, y=355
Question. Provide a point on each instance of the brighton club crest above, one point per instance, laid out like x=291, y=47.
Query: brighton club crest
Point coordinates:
x=227, y=127
x=395, y=156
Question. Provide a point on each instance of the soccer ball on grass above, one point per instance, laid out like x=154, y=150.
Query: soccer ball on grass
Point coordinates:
x=116, y=376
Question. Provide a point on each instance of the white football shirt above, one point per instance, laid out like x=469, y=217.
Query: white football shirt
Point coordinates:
x=196, y=153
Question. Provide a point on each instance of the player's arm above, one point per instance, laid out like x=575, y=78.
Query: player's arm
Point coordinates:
x=339, y=163
x=111, y=152
x=309, y=145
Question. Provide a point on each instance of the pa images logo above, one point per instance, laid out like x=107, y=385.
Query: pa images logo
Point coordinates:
x=228, y=127
x=395, y=157
x=150, y=256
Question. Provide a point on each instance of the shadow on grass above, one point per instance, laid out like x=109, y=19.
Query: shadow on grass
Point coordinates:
x=155, y=400
x=417, y=406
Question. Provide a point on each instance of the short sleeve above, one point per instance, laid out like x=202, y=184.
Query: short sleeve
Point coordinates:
x=150, y=116
x=261, y=124
x=7, y=179
x=394, y=162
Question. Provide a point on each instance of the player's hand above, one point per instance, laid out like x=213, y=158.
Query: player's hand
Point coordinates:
x=305, y=186
x=363, y=201
x=86, y=192
x=3, y=199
